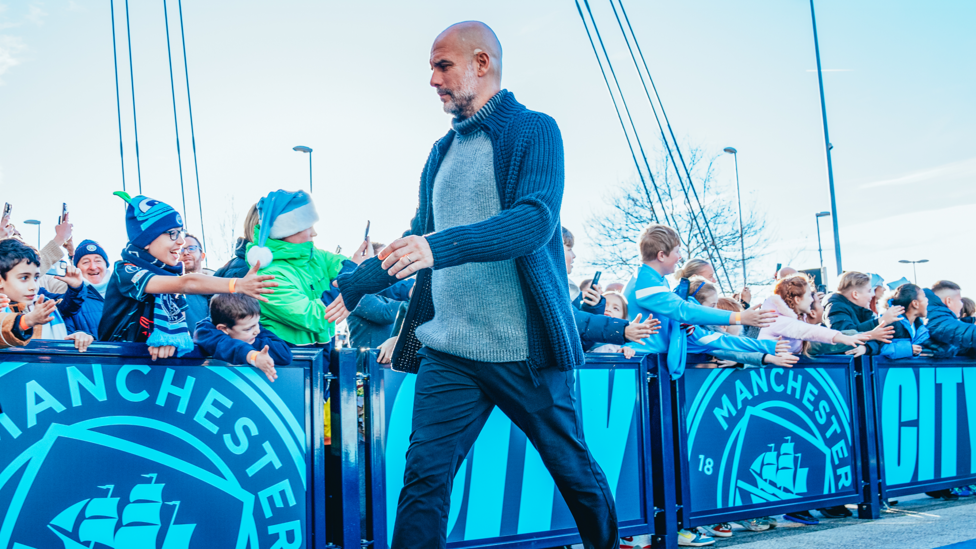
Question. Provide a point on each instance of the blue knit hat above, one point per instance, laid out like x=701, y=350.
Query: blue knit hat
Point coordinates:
x=281, y=214
x=89, y=247
x=146, y=219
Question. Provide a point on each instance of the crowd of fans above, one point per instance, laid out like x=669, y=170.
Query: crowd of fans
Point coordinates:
x=272, y=297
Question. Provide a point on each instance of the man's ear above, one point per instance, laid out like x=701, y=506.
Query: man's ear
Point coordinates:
x=203, y=256
x=223, y=328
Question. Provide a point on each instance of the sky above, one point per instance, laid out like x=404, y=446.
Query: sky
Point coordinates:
x=351, y=81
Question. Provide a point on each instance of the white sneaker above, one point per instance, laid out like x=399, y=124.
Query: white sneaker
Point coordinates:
x=723, y=530
x=755, y=525
x=694, y=538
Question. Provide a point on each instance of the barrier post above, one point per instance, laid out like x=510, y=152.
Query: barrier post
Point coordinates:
x=344, y=454
x=870, y=505
x=663, y=476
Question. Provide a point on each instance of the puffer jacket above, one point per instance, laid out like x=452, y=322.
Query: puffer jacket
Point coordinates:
x=905, y=336
x=949, y=335
x=89, y=315
x=237, y=267
x=790, y=328
x=840, y=314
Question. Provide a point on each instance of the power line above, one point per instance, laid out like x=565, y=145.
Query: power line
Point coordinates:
x=193, y=139
x=620, y=118
x=118, y=102
x=691, y=184
x=132, y=82
x=176, y=124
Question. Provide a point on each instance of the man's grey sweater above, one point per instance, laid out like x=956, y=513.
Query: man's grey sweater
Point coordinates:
x=479, y=307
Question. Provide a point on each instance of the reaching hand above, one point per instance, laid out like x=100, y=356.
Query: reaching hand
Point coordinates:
x=72, y=277
x=882, y=333
x=4, y=301
x=363, y=252
x=636, y=331
x=756, y=317
x=745, y=295
x=336, y=312
x=783, y=360
x=386, y=351
x=628, y=352
x=41, y=314
x=852, y=340
x=718, y=363
x=857, y=351
x=892, y=314
x=593, y=295
x=165, y=351
x=254, y=284
x=916, y=350
x=82, y=341
x=783, y=347
x=407, y=255
x=265, y=363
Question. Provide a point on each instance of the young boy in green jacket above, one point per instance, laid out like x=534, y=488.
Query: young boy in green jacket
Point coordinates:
x=284, y=247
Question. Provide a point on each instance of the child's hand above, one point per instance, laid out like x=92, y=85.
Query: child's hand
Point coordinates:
x=82, y=341
x=4, y=301
x=254, y=284
x=916, y=350
x=165, y=351
x=882, y=332
x=852, y=340
x=892, y=314
x=42, y=312
x=336, y=312
x=757, y=317
x=265, y=363
x=783, y=360
x=72, y=277
x=783, y=347
x=857, y=351
x=636, y=331
x=718, y=363
x=593, y=295
x=628, y=352
x=386, y=351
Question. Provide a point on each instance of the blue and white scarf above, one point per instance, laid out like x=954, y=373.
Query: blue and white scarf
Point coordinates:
x=169, y=310
x=52, y=330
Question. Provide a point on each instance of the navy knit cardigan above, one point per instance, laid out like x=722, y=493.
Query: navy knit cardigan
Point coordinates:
x=528, y=160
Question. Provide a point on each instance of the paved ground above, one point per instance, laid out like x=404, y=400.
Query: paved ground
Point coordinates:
x=917, y=522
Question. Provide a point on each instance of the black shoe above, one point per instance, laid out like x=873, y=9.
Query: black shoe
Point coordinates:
x=837, y=512
x=803, y=517
x=943, y=494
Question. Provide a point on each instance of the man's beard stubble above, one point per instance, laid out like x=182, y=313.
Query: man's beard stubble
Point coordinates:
x=462, y=98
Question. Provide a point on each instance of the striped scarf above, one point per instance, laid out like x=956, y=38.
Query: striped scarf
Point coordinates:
x=52, y=330
x=169, y=310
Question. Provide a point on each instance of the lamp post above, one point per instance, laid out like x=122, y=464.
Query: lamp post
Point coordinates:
x=738, y=199
x=819, y=245
x=914, y=274
x=827, y=145
x=38, y=223
x=304, y=149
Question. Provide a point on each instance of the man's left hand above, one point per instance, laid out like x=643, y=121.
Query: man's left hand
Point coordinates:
x=407, y=255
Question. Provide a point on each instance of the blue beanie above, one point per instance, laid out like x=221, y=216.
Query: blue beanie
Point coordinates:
x=146, y=219
x=89, y=247
x=281, y=214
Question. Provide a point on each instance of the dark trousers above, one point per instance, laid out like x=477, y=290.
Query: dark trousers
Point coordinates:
x=454, y=397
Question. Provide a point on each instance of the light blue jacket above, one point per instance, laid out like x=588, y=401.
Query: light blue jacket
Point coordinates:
x=649, y=293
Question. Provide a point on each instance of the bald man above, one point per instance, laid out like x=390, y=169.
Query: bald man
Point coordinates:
x=490, y=322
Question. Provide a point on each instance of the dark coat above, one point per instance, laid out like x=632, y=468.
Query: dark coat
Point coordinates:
x=237, y=267
x=89, y=315
x=529, y=173
x=221, y=346
x=597, y=329
x=840, y=314
x=949, y=335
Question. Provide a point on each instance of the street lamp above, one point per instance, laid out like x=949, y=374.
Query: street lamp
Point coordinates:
x=914, y=274
x=304, y=149
x=819, y=245
x=38, y=223
x=827, y=145
x=738, y=199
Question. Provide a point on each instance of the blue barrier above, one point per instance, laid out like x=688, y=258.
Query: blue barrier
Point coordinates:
x=764, y=441
x=503, y=495
x=110, y=448
x=926, y=424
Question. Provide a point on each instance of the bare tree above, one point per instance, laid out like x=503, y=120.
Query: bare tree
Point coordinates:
x=634, y=204
x=221, y=248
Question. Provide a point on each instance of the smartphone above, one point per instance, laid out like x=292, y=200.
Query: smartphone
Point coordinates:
x=338, y=249
x=64, y=212
x=7, y=209
x=366, y=236
x=596, y=278
x=61, y=268
x=822, y=288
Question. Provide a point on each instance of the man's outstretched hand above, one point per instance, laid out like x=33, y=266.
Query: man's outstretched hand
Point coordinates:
x=336, y=312
x=407, y=255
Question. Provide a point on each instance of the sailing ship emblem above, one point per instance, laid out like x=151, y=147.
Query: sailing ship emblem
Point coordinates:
x=778, y=475
x=141, y=521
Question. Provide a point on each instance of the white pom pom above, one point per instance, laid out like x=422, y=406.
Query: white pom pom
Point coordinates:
x=259, y=253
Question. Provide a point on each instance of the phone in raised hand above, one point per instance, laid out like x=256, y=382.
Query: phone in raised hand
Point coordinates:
x=64, y=212
x=596, y=278
x=366, y=236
